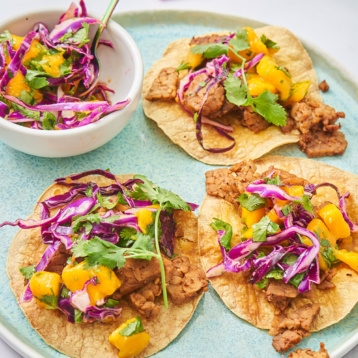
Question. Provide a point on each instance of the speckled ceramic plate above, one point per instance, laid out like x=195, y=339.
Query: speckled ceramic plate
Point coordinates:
x=142, y=148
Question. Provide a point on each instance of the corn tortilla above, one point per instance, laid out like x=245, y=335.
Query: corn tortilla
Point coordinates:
x=180, y=127
x=91, y=340
x=246, y=300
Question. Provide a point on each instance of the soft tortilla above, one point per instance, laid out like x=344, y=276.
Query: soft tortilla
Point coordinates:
x=246, y=300
x=180, y=128
x=91, y=340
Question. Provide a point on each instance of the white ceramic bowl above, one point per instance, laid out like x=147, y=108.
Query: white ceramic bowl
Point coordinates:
x=121, y=70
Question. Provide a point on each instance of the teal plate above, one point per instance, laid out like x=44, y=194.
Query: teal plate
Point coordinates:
x=143, y=148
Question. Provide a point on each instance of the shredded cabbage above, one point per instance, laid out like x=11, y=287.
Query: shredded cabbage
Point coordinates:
x=263, y=257
x=86, y=220
x=32, y=94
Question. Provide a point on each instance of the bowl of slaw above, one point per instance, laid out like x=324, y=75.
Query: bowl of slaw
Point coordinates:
x=121, y=75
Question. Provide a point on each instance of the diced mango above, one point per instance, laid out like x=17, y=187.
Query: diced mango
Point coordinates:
x=256, y=47
x=193, y=60
x=247, y=234
x=250, y=218
x=292, y=190
x=75, y=277
x=298, y=92
x=334, y=221
x=321, y=262
x=129, y=346
x=272, y=215
x=318, y=227
x=34, y=50
x=257, y=85
x=52, y=64
x=268, y=69
x=17, y=41
x=18, y=84
x=348, y=257
x=45, y=287
x=145, y=218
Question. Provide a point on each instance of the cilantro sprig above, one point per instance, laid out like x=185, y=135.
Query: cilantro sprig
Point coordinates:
x=264, y=228
x=236, y=88
x=238, y=43
x=100, y=252
x=265, y=104
x=166, y=200
x=225, y=240
x=252, y=202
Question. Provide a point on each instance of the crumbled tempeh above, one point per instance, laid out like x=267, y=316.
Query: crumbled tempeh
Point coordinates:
x=164, y=86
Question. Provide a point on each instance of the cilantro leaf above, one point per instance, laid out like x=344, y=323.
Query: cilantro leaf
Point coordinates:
x=28, y=271
x=240, y=41
x=306, y=203
x=236, y=91
x=86, y=219
x=262, y=283
x=210, y=50
x=107, y=202
x=6, y=36
x=144, y=246
x=218, y=224
x=275, y=180
x=252, y=202
x=81, y=35
x=263, y=228
x=265, y=104
x=111, y=303
x=49, y=300
x=296, y=280
x=36, y=79
x=78, y=316
x=269, y=43
x=100, y=252
x=289, y=259
x=128, y=233
x=275, y=273
x=166, y=199
x=48, y=121
x=132, y=328
x=287, y=209
x=27, y=97
x=328, y=256
x=183, y=66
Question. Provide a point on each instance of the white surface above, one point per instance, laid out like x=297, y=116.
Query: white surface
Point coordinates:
x=331, y=25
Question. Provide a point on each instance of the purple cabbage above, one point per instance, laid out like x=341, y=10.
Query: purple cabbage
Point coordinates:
x=94, y=313
x=70, y=25
x=216, y=72
x=270, y=191
x=54, y=100
x=64, y=305
x=243, y=257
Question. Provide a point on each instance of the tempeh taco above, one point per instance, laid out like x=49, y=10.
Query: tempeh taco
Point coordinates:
x=278, y=242
x=229, y=97
x=110, y=263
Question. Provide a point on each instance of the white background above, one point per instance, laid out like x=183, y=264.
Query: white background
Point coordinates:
x=330, y=25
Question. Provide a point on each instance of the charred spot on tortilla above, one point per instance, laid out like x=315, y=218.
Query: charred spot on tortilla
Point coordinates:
x=256, y=87
x=278, y=239
x=107, y=257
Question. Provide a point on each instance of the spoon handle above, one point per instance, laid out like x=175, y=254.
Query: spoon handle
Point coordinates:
x=107, y=15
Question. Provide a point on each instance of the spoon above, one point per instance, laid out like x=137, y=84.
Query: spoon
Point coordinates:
x=95, y=61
